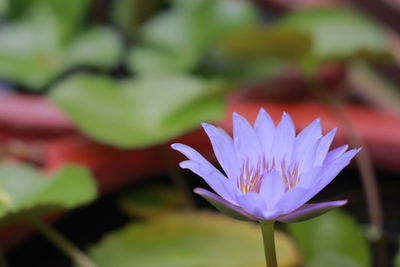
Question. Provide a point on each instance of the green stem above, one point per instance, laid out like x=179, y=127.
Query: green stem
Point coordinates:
x=176, y=176
x=3, y=261
x=267, y=228
x=62, y=243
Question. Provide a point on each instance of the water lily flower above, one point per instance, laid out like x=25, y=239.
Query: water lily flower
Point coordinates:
x=270, y=172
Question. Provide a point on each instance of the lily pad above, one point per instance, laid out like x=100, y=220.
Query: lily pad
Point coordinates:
x=3, y=7
x=266, y=42
x=69, y=15
x=151, y=201
x=188, y=240
x=24, y=191
x=34, y=51
x=337, y=32
x=178, y=38
x=333, y=240
x=139, y=112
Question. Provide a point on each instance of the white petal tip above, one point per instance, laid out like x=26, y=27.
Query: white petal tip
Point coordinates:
x=235, y=115
x=207, y=127
x=184, y=164
x=175, y=146
x=286, y=115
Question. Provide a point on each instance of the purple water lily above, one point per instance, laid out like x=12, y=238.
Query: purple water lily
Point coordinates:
x=270, y=172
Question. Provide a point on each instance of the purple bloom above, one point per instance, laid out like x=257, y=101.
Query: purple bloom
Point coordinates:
x=270, y=172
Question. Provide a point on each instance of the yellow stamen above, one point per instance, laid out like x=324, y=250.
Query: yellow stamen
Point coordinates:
x=250, y=180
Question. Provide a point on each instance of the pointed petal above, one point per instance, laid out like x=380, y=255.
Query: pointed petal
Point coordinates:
x=304, y=144
x=335, y=153
x=265, y=129
x=333, y=169
x=298, y=196
x=272, y=188
x=224, y=150
x=219, y=183
x=224, y=206
x=309, y=211
x=323, y=147
x=191, y=154
x=200, y=166
x=283, y=141
x=245, y=140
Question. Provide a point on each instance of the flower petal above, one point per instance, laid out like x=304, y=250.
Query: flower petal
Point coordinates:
x=272, y=188
x=200, y=166
x=191, y=154
x=335, y=153
x=310, y=178
x=283, y=141
x=298, y=196
x=323, y=147
x=292, y=199
x=304, y=143
x=265, y=129
x=219, y=183
x=333, y=169
x=309, y=211
x=252, y=203
x=224, y=150
x=224, y=206
x=246, y=142
x=306, y=162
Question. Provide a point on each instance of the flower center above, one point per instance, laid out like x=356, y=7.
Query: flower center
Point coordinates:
x=251, y=179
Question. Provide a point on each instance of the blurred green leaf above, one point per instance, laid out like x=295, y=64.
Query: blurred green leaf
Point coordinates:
x=3, y=7
x=332, y=240
x=337, y=33
x=25, y=191
x=258, y=52
x=266, y=42
x=70, y=14
x=373, y=87
x=129, y=15
x=139, y=112
x=150, y=201
x=99, y=46
x=180, y=36
x=32, y=56
x=396, y=262
x=146, y=60
x=29, y=49
x=33, y=52
x=189, y=240
x=123, y=13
